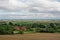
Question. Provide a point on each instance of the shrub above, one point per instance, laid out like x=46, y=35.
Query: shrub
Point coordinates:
x=6, y=30
x=21, y=32
x=37, y=29
x=58, y=29
x=30, y=29
x=50, y=30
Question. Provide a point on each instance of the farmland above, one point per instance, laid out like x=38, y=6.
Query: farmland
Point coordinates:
x=29, y=29
x=35, y=36
x=27, y=26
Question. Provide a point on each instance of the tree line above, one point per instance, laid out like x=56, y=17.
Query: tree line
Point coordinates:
x=8, y=28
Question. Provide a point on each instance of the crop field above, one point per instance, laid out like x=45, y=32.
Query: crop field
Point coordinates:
x=35, y=36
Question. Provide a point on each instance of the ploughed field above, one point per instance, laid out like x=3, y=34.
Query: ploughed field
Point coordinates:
x=33, y=36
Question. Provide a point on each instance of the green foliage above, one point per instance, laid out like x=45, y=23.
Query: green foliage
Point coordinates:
x=29, y=29
x=37, y=29
x=50, y=30
x=6, y=30
x=34, y=25
x=41, y=26
x=11, y=24
x=48, y=27
x=58, y=30
x=53, y=25
x=21, y=32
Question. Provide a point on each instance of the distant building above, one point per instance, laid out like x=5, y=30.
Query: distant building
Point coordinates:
x=23, y=28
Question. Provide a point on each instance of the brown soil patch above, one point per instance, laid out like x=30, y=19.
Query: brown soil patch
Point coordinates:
x=36, y=36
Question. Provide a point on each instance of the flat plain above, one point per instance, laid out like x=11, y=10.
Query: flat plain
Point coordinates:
x=33, y=36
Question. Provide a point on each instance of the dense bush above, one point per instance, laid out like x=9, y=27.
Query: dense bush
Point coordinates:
x=41, y=26
x=37, y=29
x=11, y=24
x=21, y=32
x=50, y=30
x=58, y=30
x=6, y=30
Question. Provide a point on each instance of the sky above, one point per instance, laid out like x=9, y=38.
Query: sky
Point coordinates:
x=29, y=9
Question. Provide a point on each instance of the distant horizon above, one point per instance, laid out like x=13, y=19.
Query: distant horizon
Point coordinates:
x=29, y=19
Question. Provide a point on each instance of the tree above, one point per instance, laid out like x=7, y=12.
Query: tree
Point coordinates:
x=52, y=25
x=6, y=30
x=41, y=26
x=11, y=24
x=21, y=32
x=50, y=30
x=37, y=29
x=35, y=25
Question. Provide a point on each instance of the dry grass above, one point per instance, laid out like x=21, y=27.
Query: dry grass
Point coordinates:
x=36, y=36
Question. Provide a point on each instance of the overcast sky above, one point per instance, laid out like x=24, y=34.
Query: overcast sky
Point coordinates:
x=29, y=9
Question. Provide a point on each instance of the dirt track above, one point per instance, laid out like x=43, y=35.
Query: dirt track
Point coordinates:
x=37, y=36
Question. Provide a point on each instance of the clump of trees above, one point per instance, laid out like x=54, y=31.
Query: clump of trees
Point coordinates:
x=8, y=28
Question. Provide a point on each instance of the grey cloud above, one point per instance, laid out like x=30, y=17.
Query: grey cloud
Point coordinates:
x=32, y=10
x=46, y=8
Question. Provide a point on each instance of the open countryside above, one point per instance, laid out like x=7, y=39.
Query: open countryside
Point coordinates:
x=30, y=30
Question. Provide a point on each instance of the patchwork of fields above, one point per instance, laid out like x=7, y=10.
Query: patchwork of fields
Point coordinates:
x=35, y=36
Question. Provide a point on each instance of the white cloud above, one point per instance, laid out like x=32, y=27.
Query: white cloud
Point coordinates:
x=16, y=4
x=12, y=4
x=30, y=9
